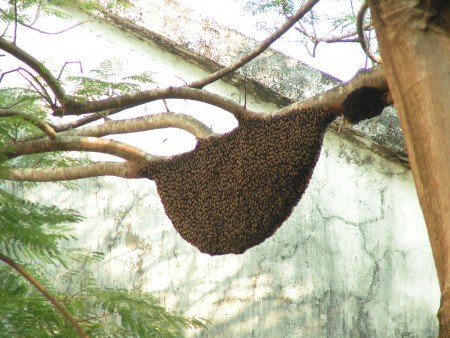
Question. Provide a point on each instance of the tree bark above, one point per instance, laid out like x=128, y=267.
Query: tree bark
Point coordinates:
x=414, y=40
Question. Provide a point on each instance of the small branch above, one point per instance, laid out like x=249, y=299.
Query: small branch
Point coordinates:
x=86, y=119
x=5, y=30
x=33, y=281
x=47, y=129
x=15, y=22
x=74, y=143
x=258, y=50
x=362, y=38
x=166, y=105
x=38, y=12
x=37, y=66
x=43, y=92
x=53, y=33
x=68, y=63
x=149, y=122
x=97, y=169
x=346, y=37
x=136, y=99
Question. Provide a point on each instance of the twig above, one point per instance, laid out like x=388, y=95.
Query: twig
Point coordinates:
x=166, y=105
x=362, y=38
x=68, y=63
x=15, y=22
x=38, y=12
x=346, y=37
x=60, y=307
x=5, y=30
x=37, y=66
x=258, y=50
x=46, y=128
x=179, y=77
x=53, y=33
x=44, y=94
x=86, y=119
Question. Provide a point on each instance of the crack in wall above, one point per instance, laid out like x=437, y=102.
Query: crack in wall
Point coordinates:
x=364, y=324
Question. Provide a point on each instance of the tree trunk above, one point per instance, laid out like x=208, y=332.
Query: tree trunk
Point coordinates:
x=414, y=40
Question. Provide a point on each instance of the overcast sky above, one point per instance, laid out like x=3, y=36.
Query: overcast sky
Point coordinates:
x=339, y=60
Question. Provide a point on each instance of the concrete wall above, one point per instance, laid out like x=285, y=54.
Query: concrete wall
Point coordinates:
x=353, y=260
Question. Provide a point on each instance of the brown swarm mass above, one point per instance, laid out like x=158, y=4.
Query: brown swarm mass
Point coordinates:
x=235, y=190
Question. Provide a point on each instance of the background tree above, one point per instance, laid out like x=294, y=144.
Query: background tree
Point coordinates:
x=35, y=241
x=418, y=84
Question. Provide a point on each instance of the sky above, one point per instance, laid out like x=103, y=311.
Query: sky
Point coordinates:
x=340, y=60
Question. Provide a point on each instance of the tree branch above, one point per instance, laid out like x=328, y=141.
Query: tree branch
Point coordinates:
x=37, y=66
x=74, y=143
x=40, y=124
x=15, y=22
x=33, y=281
x=119, y=169
x=86, y=119
x=53, y=33
x=362, y=38
x=345, y=37
x=367, y=84
x=258, y=50
x=136, y=99
x=149, y=122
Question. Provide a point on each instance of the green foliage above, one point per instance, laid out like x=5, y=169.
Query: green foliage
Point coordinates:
x=14, y=128
x=102, y=85
x=332, y=21
x=28, y=10
x=283, y=7
x=28, y=103
x=32, y=231
x=35, y=236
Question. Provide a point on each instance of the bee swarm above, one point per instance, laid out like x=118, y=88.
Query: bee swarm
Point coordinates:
x=235, y=190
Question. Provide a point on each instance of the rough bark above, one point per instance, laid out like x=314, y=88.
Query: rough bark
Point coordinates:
x=414, y=40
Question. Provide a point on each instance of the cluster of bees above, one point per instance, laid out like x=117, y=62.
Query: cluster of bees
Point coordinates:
x=233, y=191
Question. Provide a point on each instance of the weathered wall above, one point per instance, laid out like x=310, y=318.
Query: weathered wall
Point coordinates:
x=353, y=260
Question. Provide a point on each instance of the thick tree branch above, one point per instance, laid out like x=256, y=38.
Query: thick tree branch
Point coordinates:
x=136, y=99
x=150, y=122
x=331, y=100
x=258, y=50
x=97, y=169
x=37, y=66
x=41, y=125
x=368, y=84
x=33, y=281
x=74, y=143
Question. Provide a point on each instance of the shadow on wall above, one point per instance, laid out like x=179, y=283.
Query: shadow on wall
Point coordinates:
x=351, y=263
x=319, y=276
